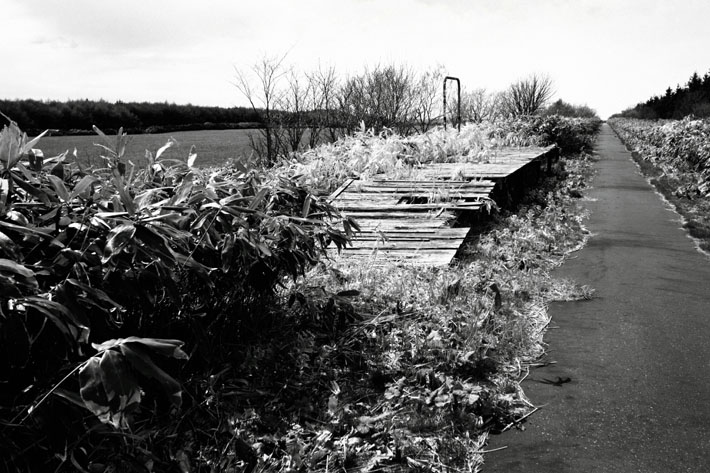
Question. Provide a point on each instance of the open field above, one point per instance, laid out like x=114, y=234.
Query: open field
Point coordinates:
x=214, y=147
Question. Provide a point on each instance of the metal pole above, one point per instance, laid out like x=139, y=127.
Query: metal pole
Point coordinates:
x=458, y=89
x=445, y=103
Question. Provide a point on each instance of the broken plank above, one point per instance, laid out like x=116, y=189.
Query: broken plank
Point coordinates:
x=373, y=207
x=442, y=217
x=404, y=245
x=413, y=233
x=423, y=184
x=340, y=189
x=375, y=257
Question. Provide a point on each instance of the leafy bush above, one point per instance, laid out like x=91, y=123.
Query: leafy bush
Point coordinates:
x=676, y=156
x=92, y=254
x=96, y=264
x=673, y=145
x=572, y=135
x=367, y=153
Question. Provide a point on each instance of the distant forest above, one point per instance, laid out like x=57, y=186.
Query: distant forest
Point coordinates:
x=78, y=116
x=691, y=99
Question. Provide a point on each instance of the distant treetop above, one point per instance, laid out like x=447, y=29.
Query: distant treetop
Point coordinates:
x=137, y=117
x=691, y=99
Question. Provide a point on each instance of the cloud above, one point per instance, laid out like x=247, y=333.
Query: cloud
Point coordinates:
x=604, y=52
x=56, y=42
x=136, y=25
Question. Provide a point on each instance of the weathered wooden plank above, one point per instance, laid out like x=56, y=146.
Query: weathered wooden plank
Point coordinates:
x=340, y=189
x=398, y=193
x=406, y=199
x=406, y=225
x=435, y=184
x=499, y=166
x=405, y=245
x=372, y=190
x=356, y=197
x=423, y=182
x=443, y=216
x=412, y=234
x=375, y=257
x=376, y=207
x=393, y=230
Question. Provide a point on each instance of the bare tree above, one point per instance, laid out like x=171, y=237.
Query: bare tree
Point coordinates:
x=260, y=87
x=381, y=98
x=426, y=105
x=480, y=105
x=324, y=84
x=529, y=95
x=293, y=108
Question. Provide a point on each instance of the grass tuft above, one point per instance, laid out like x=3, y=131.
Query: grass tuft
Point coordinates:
x=397, y=367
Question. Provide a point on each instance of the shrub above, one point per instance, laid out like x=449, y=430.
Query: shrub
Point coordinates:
x=124, y=254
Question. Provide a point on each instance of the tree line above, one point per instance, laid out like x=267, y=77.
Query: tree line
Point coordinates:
x=79, y=116
x=300, y=109
x=295, y=110
x=693, y=98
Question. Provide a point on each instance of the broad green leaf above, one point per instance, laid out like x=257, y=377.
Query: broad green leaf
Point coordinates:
x=183, y=190
x=28, y=230
x=70, y=396
x=70, y=333
x=10, y=144
x=263, y=248
x=8, y=247
x=154, y=244
x=75, y=321
x=179, y=238
x=30, y=144
x=112, y=215
x=165, y=347
x=84, y=184
x=10, y=266
x=141, y=361
x=59, y=187
x=199, y=269
x=109, y=389
x=111, y=152
x=94, y=293
x=306, y=206
x=30, y=189
x=126, y=198
x=91, y=388
x=258, y=198
x=120, y=237
x=25, y=172
x=167, y=145
x=119, y=384
x=105, y=138
x=192, y=156
x=121, y=141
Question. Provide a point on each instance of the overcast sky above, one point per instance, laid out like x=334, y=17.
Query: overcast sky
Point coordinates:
x=608, y=54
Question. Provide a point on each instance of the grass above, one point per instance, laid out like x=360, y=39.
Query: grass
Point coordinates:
x=360, y=367
x=214, y=147
x=399, y=367
x=695, y=210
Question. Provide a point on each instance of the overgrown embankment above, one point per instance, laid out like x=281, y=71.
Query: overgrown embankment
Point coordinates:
x=177, y=319
x=675, y=155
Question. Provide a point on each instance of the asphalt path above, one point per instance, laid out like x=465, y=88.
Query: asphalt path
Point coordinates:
x=637, y=355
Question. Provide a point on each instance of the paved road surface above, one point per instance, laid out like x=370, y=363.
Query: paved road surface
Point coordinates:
x=638, y=354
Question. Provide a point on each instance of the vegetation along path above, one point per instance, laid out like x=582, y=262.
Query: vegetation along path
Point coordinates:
x=629, y=387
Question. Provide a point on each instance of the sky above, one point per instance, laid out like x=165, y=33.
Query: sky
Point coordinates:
x=607, y=54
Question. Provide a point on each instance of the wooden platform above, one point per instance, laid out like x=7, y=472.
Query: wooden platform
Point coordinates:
x=409, y=221
x=501, y=165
